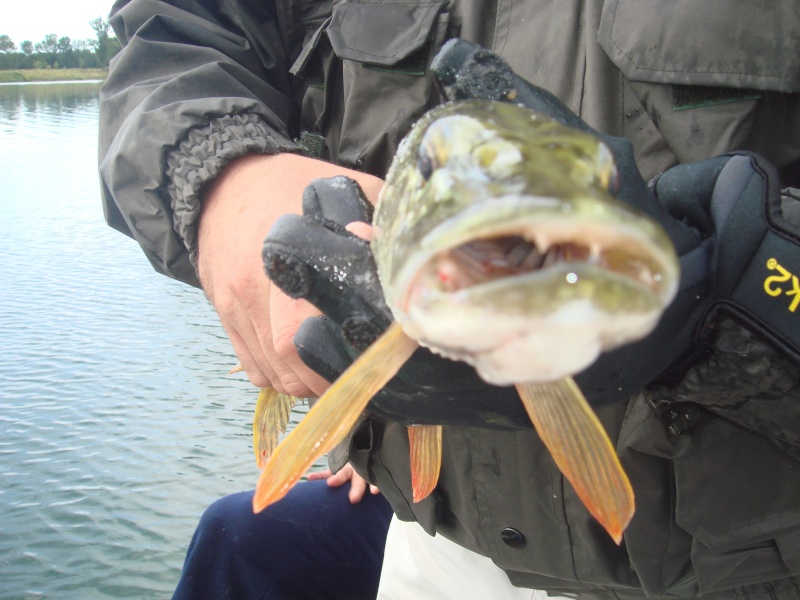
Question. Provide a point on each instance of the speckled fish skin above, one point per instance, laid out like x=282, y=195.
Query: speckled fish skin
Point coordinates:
x=479, y=169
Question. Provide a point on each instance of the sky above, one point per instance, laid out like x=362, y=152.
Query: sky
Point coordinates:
x=33, y=19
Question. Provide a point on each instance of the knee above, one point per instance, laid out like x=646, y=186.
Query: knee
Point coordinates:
x=214, y=566
x=226, y=517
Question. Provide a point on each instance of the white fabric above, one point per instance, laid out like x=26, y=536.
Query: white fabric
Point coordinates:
x=417, y=566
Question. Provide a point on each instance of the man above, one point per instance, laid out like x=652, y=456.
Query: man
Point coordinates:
x=215, y=116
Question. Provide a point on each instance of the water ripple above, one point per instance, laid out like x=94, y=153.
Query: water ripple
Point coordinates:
x=119, y=421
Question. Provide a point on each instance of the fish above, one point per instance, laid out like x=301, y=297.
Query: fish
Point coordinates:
x=499, y=242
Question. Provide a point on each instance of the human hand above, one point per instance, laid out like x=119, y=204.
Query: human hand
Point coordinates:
x=358, y=485
x=259, y=319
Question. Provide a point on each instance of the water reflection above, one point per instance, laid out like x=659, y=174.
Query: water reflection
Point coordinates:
x=48, y=102
x=119, y=423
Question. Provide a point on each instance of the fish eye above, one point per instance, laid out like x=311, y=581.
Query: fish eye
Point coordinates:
x=425, y=163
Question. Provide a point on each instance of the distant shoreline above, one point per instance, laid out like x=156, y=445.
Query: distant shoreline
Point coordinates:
x=34, y=75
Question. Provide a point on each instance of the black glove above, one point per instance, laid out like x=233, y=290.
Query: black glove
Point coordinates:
x=736, y=201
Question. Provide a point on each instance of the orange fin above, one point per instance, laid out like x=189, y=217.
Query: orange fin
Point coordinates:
x=426, y=458
x=271, y=418
x=333, y=415
x=580, y=447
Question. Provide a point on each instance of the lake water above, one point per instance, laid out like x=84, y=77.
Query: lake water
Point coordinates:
x=118, y=421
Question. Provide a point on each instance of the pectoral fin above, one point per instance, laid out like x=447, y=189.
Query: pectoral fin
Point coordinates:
x=334, y=414
x=269, y=421
x=580, y=447
x=426, y=458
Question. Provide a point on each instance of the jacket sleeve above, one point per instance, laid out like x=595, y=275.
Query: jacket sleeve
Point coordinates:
x=197, y=84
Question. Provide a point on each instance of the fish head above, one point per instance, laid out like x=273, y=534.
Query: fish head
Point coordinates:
x=498, y=242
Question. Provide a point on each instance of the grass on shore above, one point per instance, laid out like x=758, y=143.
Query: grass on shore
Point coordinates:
x=20, y=75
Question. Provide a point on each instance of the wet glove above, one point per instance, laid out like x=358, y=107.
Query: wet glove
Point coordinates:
x=315, y=258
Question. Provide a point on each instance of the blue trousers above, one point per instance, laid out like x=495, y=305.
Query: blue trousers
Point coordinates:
x=313, y=544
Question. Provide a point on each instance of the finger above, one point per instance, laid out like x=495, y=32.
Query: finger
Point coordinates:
x=248, y=362
x=247, y=322
x=358, y=487
x=241, y=298
x=255, y=325
x=360, y=229
x=316, y=475
x=341, y=477
x=286, y=316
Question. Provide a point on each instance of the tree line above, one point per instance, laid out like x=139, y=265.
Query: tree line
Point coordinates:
x=55, y=52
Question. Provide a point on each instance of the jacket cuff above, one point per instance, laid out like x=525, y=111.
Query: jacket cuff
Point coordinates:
x=202, y=156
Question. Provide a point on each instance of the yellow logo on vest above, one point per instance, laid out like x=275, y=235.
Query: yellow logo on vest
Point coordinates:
x=783, y=283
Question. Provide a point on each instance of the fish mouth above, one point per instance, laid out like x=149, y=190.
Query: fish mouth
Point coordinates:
x=540, y=295
x=486, y=260
x=603, y=240
x=533, y=290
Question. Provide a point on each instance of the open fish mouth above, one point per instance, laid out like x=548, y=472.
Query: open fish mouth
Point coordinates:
x=546, y=282
x=621, y=245
x=486, y=260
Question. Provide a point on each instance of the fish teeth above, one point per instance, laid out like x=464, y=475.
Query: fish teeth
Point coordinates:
x=551, y=257
x=524, y=255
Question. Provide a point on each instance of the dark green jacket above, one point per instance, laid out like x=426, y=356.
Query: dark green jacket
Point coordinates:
x=714, y=458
